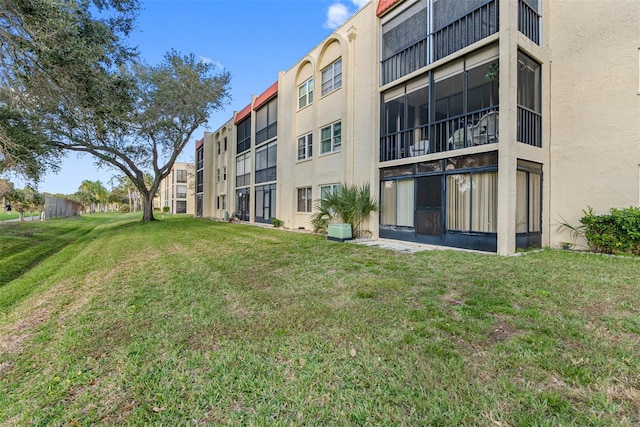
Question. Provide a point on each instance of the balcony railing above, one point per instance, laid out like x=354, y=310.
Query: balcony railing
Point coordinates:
x=529, y=127
x=470, y=130
x=474, y=26
x=529, y=21
x=406, y=61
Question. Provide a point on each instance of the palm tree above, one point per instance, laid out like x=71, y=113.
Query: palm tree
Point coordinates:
x=349, y=204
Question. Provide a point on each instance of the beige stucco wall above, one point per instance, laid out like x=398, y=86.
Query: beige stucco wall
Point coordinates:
x=595, y=108
x=355, y=104
x=213, y=162
x=167, y=198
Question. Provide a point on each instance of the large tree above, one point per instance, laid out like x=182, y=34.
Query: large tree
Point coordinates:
x=82, y=91
x=170, y=101
x=62, y=53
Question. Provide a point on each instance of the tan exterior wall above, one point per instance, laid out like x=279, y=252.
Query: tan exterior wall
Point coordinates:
x=595, y=108
x=168, y=187
x=217, y=185
x=355, y=105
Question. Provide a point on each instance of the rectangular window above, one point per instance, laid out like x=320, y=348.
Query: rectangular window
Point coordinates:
x=305, y=93
x=181, y=175
x=332, y=77
x=304, y=199
x=244, y=135
x=224, y=202
x=305, y=147
x=528, y=202
x=181, y=207
x=472, y=202
x=181, y=192
x=217, y=175
x=266, y=161
x=331, y=138
x=218, y=202
x=218, y=146
x=267, y=121
x=200, y=158
x=529, y=101
x=225, y=143
x=200, y=181
x=328, y=189
x=224, y=173
x=398, y=204
x=243, y=170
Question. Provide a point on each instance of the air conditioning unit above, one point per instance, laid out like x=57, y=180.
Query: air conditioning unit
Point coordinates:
x=339, y=232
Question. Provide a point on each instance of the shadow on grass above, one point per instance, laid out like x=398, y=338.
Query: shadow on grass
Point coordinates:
x=23, y=245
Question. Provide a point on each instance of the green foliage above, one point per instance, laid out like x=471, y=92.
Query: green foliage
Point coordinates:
x=320, y=222
x=615, y=233
x=57, y=59
x=166, y=209
x=277, y=222
x=348, y=204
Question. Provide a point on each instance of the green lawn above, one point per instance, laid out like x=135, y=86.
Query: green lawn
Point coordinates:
x=14, y=215
x=192, y=322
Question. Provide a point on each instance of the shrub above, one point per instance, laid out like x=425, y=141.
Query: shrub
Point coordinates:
x=613, y=233
x=124, y=207
x=166, y=209
x=277, y=222
x=320, y=223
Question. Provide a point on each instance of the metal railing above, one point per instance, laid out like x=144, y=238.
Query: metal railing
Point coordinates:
x=529, y=21
x=472, y=27
x=529, y=127
x=464, y=31
x=469, y=130
x=406, y=61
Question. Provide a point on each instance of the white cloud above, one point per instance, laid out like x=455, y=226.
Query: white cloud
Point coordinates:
x=208, y=60
x=337, y=14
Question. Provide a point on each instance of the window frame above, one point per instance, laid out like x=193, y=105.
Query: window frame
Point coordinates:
x=330, y=80
x=335, y=147
x=304, y=199
x=307, y=87
x=307, y=146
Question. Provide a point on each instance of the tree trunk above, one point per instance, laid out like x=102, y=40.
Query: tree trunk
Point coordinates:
x=147, y=212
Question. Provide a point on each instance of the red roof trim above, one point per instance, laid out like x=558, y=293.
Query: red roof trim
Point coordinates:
x=385, y=5
x=242, y=114
x=199, y=143
x=266, y=96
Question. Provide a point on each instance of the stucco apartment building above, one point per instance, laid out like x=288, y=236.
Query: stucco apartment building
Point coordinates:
x=478, y=123
x=177, y=189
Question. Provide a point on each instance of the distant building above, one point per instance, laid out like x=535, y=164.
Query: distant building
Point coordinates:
x=177, y=190
x=478, y=123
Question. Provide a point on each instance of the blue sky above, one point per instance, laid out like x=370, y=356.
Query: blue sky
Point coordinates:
x=253, y=39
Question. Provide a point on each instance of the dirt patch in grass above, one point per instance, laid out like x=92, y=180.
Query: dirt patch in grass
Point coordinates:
x=500, y=331
x=452, y=298
x=13, y=336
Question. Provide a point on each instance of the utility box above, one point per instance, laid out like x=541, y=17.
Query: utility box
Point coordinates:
x=339, y=232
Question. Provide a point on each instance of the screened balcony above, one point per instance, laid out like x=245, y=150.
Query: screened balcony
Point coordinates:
x=410, y=42
x=529, y=19
x=469, y=130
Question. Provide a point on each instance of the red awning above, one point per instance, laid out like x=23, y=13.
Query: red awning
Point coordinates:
x=242, y=114
x=385, y=5
x=199, y=143
x=266, y=96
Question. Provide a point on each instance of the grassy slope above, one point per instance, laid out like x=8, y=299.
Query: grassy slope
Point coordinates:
x=187, y=322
